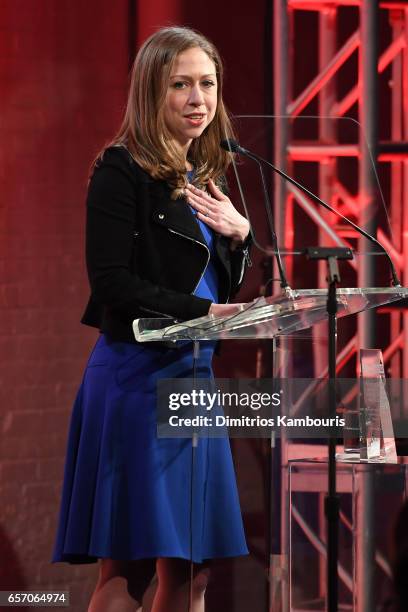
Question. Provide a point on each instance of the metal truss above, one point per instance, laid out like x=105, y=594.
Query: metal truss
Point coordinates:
x=356, y=198
x=359, y=205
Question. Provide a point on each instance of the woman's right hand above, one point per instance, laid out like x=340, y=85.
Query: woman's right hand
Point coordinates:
x=225, y=310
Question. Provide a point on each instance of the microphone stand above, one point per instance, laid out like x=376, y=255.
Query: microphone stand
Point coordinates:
x=283, y=280
x=331, y=255
x=331, y=502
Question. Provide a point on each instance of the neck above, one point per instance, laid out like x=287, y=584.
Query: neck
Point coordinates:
x=183, y=150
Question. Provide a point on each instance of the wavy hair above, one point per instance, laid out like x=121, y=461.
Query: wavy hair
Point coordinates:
x=143, y=131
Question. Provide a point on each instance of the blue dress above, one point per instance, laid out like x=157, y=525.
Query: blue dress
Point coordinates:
x=126, y=493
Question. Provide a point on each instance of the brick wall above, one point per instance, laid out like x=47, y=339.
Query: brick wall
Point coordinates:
x=63, y=79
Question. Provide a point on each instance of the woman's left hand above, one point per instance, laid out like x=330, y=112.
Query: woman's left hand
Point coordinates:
x=218, y=212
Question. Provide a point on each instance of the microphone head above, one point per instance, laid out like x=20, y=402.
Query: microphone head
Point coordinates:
x=230, y=145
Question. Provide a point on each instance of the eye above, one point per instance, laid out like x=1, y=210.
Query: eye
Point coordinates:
x=208, y=83
x=179, y=84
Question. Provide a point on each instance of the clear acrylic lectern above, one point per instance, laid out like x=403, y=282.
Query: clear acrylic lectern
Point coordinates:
x=283, y=317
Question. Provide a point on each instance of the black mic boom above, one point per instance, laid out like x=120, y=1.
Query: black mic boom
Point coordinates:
x=233, y=147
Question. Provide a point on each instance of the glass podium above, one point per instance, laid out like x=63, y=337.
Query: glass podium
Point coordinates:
x=294, y=538
x=268, y=317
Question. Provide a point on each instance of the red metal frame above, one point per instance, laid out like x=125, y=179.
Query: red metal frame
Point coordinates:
x=327, y=150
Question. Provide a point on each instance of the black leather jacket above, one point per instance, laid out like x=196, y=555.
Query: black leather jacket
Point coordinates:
x=145, y=252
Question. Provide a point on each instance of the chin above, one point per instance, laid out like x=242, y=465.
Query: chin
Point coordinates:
x=196, y=132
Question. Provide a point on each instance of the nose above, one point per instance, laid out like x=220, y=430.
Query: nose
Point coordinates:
x=196, y=97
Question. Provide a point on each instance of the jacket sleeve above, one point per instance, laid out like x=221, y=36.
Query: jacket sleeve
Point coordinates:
x=109, y=245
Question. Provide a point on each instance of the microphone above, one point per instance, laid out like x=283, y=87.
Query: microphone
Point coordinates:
x=234, y=147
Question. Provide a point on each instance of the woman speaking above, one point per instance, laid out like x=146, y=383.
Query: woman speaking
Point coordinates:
x=162, y=240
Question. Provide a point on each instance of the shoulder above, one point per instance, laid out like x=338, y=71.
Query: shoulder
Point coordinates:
x=117, y=180
x=119, y=157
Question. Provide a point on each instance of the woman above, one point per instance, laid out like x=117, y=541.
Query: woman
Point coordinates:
x=162, y=240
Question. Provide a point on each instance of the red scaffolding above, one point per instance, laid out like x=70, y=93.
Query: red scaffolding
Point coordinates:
x=357, y=202
x=327, y=149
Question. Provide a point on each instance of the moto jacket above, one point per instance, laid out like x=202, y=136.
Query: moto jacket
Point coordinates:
x=145, y=252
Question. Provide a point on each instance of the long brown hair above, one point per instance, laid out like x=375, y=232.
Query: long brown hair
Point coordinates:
x=143, y=131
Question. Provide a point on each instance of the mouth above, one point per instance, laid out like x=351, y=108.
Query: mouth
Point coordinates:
x=195, y=119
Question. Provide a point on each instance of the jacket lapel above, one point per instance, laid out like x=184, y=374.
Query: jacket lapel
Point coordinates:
x=176, y=215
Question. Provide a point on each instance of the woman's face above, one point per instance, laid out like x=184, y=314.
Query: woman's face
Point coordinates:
x=191, y=98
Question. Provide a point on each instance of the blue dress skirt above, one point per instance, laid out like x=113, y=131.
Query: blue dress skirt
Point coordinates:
x=128, y=494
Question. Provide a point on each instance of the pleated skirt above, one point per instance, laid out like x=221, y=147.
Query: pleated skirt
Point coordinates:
x=128, y=494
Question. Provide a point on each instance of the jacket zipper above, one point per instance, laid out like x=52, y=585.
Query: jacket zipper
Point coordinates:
x=241, y=276
x=247, y=257
x=201, y=244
